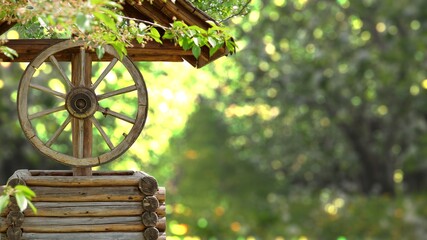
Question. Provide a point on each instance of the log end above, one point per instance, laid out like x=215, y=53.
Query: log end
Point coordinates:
x=151, y=233
x=148, y=185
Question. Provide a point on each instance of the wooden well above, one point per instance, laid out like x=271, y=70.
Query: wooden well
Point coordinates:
x=107, y=205
x=81, y=204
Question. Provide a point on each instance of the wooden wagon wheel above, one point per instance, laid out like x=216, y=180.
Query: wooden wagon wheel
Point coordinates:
x=80, y=102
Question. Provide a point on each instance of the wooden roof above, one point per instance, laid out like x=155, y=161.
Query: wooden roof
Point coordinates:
x=160, y=11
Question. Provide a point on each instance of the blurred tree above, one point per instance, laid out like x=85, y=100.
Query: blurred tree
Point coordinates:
x=16, y=151
x=330, y=93
x=215, y=193
x=222, y=10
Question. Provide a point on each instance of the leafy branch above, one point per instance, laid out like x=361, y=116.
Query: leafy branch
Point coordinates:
x=22, y=194
x=194, y=38
x=243, y=11
x=101, y=22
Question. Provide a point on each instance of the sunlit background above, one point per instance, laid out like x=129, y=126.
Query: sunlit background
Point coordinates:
x=314, y=130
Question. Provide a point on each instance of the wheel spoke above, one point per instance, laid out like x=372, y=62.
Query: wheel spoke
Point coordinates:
x=117, y=92
x=46, y=112
x=47, y=90
x=61, y=71
x=82, y=66
x=107, y=111
x=77, y=102
x=104, y=73
x=58, y=131
x=102, y=132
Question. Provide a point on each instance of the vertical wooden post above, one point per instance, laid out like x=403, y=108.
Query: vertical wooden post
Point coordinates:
x=86, y=129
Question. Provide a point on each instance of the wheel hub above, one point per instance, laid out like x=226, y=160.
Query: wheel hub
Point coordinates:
x=81, y=102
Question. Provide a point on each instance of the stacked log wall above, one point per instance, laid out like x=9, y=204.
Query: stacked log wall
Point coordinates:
x=107, y=205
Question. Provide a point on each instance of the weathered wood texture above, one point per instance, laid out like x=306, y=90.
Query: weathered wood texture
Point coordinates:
x=79, y=70
x=83, y=224
x=78, y=120
x=4, y=26
x=159, y=11
x=96, y=207
x=79, y=236
x=152, y=51
x=65, y=178
x=90, y=209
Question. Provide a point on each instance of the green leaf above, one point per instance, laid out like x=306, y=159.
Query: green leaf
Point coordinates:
x=106, y=20
x=168, y=35
x=191, y=33
x=4, y=201
x=114, y=4
x=133, y=30
x=186, y=44
x=100, y=51
x=83, y=22
x=33, y=208
x=213, y=50
x=212, y=23
x=120, y=47
x=196, y=41
x=231, y=46
x=110, y=13
x=8, y=52
x=214, y=30
x=28, y=193
x=196, y=51
x=212, y=41
x=154, y=34
x=179, y=24
x=21, y=201
x=140, y=39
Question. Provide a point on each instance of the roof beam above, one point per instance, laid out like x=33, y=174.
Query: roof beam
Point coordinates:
x=4, y=26
x=149, y=10
x=151, y=51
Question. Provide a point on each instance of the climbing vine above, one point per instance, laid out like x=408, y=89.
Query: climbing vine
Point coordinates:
x=101, y=22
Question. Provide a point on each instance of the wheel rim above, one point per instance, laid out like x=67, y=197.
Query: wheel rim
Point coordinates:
x=81, y=103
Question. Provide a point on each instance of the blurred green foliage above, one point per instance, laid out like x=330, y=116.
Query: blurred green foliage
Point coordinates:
x=323, y=107
x=329, y=86
x=315, y=130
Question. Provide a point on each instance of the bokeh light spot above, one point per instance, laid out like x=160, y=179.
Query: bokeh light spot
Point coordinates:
x=219, y=211
x=424, y=83
x=415, y=25
x=202, y=222
x=380, y=27
x=178, y=229
x=398, y=176
x=235, y=226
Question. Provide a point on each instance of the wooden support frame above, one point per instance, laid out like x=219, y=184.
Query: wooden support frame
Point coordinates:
x=79, y=70
x=152, y=51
